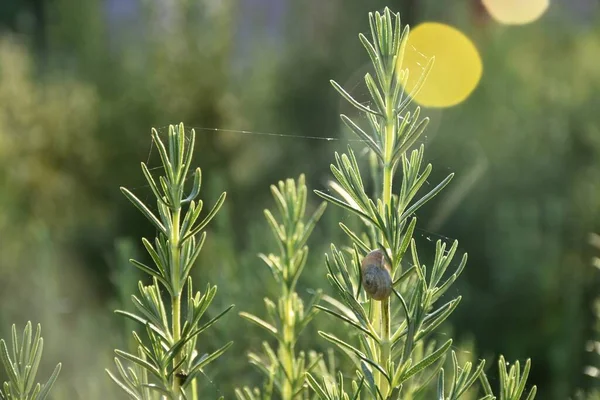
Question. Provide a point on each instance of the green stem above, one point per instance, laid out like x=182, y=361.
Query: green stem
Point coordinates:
x=387, y=185
x=176, y=299
x=287, y=347
x=195, y=389
x=388, y=171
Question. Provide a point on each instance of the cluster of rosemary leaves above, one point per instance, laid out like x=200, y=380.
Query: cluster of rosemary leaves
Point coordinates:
x=392, y=347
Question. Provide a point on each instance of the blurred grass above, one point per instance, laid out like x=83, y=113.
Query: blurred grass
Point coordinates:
x=75, y=113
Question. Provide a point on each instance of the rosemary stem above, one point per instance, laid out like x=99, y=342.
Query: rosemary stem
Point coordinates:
x=389, y=140
x=195, y=389
x=287, y=349
x=287, y=346
x=176, y=298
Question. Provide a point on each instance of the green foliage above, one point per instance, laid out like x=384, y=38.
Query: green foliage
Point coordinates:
x=72, y=118
x=169, y=362
x=524, y=216
x=512, y=381
x=41, y=168
x=23, y=366
x=334, y=390
x=385, y=360
x=462, y=380
x=284, y=369
x=394, y=363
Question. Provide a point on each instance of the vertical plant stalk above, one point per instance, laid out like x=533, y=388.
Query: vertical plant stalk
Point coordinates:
x=169, y=363
x=389, y=138
x=285, y=369
x=286, y=348
x=176, y=298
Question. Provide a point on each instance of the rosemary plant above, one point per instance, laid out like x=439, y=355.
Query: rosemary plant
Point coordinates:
x=335, y=390
x=285, y=369
x=390, y=302
x=167, y=364
x=512, y=382
x=462, y=380
x=22, y=368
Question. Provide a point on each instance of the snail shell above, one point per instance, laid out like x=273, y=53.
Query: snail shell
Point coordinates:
x=376, y=278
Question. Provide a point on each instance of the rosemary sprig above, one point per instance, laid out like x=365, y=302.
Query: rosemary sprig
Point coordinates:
x=21, y=369
x=168, y=363
x=284, y=368
x=394, y=354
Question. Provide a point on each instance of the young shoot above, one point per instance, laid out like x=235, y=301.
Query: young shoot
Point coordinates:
x=167, y=361
x=21, y=366
x=284, y=368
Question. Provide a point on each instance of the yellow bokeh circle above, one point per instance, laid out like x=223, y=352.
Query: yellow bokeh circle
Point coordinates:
x=516, y=12
x=456, y=71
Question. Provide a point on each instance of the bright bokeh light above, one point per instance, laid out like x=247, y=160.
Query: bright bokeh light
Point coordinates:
x=516, y=12
x=457, y=68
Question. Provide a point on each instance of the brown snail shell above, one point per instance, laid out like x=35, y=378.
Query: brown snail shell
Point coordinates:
x=376, y=277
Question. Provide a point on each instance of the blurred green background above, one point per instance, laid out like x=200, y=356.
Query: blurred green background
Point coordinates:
x=82, y=83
